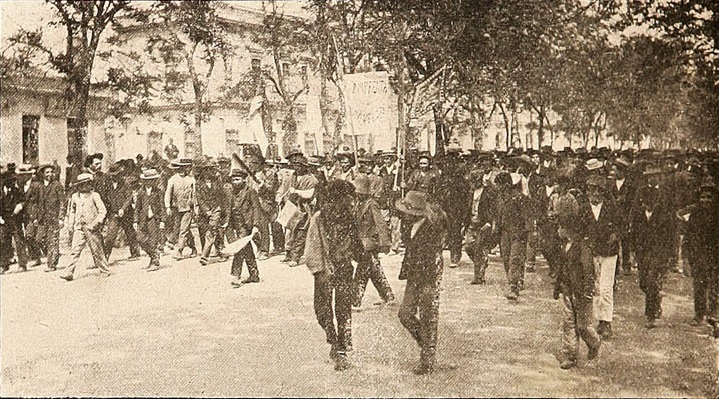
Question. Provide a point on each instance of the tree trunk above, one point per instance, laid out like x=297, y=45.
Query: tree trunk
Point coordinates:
x=197, y=131
x=507, y=127
x=439, y=130
x=540, y=130
x=341, y=117
x=289, y=129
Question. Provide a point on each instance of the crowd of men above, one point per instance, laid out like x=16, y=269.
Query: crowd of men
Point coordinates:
x=591, y=214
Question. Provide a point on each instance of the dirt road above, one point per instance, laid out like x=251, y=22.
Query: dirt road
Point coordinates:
x=183, y=331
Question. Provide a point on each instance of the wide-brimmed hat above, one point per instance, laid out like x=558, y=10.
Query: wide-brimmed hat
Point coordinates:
x=623, y=161
x=594, y=164
x=149, y=174
x=414, y=203
x=362, y=184
x=41, y=168
x=181, y=162
x=91, y=157
x=83, y=178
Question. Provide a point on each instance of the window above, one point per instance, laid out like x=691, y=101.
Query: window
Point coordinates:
x=303, y=73
x=286, y=69
x=256, y=65
x=30, y=139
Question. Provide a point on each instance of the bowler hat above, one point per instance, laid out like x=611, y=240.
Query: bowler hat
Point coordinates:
x=414, y=203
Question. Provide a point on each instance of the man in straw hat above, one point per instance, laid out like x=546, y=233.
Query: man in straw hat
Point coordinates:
x=86, y=212
x=118, y=201
x=603, y=227
x=179, y=202
x=149, y=217
x=422, y=268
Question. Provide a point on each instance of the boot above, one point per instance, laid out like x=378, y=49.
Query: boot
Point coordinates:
x=342, y=362
x=604, y=329
x=427, y=362
x=594, y=350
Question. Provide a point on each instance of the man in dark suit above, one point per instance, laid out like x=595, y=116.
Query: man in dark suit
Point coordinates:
x=244, y=206
x=51, y=212
x=481, y=236
x=118, y=198
x=149, y=217
x=11, y=222
x=623, y=190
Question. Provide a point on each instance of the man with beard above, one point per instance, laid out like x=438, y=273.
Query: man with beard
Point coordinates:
x=51, y=212
x=424, y=178
x=244, y=205
x=652, y=234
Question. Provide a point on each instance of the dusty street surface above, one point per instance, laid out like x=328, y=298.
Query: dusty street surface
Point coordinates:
x=184, y=331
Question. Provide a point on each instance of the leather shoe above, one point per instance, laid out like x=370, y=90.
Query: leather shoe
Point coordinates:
x=66, y=278
x=567, y=364
x=249, y=280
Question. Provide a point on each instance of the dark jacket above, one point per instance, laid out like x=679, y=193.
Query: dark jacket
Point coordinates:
x=371, y=227
x=423, y=254
x=701, y=236
x=514, y=215
x=455, y=196
x=117, y=197
x=52, y=204
x=244, y=208
x=654, y=236
x=575, y=271
x=599, y=232
x=154, y=201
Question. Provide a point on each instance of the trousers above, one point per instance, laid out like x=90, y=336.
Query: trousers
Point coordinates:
x=576, y=323
x=114, y=225
x=419, y=311
x=370, y=268
x=605, y=267
x=148, y=237
x=514, y=250
x=652, y=269
x=13, y=231
x=92, y=239
x=337, y=321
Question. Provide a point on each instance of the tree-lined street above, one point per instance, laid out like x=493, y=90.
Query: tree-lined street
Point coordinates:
x=183, y=331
